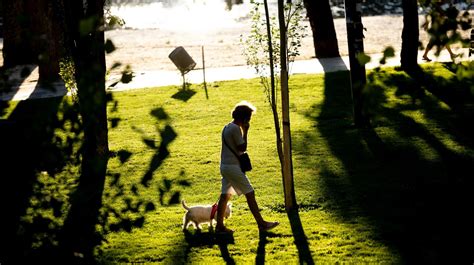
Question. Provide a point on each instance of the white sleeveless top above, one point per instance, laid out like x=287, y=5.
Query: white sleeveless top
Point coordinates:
x=233, y=137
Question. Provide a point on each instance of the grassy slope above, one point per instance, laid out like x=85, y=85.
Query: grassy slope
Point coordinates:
x=198, y=123
x=364, y=194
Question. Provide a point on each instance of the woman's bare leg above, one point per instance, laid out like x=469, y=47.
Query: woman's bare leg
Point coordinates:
x=253, y=206
x=221, y=206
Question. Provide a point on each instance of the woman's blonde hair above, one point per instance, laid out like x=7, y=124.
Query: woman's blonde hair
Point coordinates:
x=243, y=111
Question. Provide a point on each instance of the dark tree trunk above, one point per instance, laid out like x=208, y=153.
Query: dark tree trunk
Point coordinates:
x=17, y=34
x=355, y=42
x=322, y=25
x=33, y=34
x=410, y=35
x=49, y=49
x=89, y=59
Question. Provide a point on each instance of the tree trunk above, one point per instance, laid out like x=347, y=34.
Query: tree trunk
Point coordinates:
x=33, y=34
x=322, y=26
x=49, y=49
x=410, y=35
x=276, y=119
x=89, y=58
x=355, y=41
x=17, y=34
x=288, y=183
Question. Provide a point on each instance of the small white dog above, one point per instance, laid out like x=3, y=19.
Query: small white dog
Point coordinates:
x=202, y=214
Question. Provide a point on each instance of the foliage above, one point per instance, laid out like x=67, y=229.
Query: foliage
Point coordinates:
x=112, y=21
x=67, y=74
x=44, y=218
x=47, y=140
x=56, y=179
x=67, y=71
x=389, y=52
x=124, y=206
x=255, y=45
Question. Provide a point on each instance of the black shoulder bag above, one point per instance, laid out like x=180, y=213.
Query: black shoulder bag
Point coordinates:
x=244, y=158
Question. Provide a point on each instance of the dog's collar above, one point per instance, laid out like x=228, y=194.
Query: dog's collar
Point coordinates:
x=213, y=210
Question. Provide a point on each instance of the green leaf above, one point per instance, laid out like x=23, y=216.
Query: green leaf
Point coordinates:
x=389, y=52
x=115, y=66
x=109, y=46
x=363, y=58
x=126, y=77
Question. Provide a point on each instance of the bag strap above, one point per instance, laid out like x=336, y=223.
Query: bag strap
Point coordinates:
x=228, y=146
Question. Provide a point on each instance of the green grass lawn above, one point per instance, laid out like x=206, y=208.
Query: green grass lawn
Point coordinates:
x=393, y=193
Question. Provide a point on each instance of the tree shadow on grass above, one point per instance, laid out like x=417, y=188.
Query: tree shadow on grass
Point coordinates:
x=198, y=239
x=301, y=242
x=40, y=142
x=411, y=184
x=28, y=147
x=453, y=91
x=262, y=243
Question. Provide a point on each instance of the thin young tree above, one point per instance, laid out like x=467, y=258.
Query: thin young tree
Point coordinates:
x=262, y=50
x=272, y=94
x=288, y=183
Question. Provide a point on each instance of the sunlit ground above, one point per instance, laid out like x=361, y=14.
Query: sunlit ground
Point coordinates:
x=187, y=16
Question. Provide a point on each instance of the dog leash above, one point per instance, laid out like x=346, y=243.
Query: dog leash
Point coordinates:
x=214, y=209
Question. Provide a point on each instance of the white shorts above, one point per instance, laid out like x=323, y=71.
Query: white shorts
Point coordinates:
x=234, y=181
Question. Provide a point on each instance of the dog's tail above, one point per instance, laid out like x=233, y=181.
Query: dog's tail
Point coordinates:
x=184, y=205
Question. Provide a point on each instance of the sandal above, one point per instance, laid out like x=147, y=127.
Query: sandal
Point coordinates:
x=426, y=59
x=268, y=226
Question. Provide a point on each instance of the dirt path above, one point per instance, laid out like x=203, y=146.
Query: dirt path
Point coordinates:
x=148, y=49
